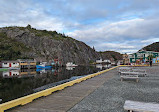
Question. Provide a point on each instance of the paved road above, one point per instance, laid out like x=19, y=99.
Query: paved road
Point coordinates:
x=66, y=99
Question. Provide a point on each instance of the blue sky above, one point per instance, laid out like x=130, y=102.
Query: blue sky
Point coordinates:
x=120, y=25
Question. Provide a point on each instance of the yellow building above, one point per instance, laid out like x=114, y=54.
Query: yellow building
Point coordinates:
x=126, y=60
x=27, y=63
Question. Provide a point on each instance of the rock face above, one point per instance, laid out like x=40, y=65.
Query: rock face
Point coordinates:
x=47, y=45
x=152, y=47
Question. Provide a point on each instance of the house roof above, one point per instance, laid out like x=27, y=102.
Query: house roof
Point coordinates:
x=9, y=61
x=26, y=60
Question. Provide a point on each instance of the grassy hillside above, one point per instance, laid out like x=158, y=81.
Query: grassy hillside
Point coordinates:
x=10, y=49
x=43, y=45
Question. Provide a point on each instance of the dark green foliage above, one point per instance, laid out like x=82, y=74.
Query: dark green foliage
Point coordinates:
x=114, y=57
x=42, y=33
x=10, y=49
x=29, y=26
x=152, y=47
x=52, y=34
x=90, y=61
x=111, y=54
x=27, y=36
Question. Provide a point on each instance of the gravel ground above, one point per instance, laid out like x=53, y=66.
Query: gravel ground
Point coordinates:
x=110, y=97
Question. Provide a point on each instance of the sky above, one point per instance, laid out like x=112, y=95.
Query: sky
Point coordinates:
x=124, y=26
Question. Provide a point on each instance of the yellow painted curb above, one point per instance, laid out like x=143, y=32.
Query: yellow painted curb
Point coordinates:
x=135, y=65
x=27, y=99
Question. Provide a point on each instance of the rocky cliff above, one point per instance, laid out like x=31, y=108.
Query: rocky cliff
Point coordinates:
x=27, y=42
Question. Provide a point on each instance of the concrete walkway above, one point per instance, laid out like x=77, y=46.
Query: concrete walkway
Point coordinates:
x=66, y=99
x=111, y=96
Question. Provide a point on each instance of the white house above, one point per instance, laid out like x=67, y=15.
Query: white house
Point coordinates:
x=11, y=73
x=107, y=61
x=99, y=61
x=8, y=64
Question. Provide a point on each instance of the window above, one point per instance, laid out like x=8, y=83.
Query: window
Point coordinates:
x=14, y=63
x=5, y=63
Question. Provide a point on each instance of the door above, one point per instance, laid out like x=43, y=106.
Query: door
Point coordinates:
x=9, y=64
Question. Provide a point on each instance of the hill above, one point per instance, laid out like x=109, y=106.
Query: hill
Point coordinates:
x=152, y=47
x=27, y=42
x=112, y=55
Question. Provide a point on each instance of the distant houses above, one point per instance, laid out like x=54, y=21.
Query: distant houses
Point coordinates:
x=111, y=61
x=18, y=73
x=11, y=73
x=7, y=64
x=27, y=63
x=100, y=61
x=126, y=59
x=155, y=61
x=142, y=56
x=20, y=63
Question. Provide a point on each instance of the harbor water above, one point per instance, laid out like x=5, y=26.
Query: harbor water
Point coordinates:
x=18, y=83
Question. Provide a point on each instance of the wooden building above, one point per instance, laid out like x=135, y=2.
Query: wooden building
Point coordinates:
x=9, y=64
x=19, y=73
x=142, y=56
x=27, y=63
x=126, y=59
x=10, y=73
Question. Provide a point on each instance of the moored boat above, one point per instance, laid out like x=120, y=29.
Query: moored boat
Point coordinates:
x=43, y=65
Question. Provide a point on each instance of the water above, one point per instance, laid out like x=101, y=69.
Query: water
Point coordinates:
x=18, y=83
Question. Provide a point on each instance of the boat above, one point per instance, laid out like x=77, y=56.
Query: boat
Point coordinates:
x=43, y=65
x=70, y=64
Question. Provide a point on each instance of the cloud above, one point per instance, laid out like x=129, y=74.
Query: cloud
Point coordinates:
x=120, y=25
x=21, y=13
x=120, y=35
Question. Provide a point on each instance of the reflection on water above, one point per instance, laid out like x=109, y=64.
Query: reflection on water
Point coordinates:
x=101, y=67
x=18, y=83
x=70, y=68
x=19, y=73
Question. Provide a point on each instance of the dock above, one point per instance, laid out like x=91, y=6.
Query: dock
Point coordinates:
x=104, y=92
x=65, y=99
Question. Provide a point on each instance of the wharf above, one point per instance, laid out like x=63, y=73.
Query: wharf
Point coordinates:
x=64, y=100
x=103, y=93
